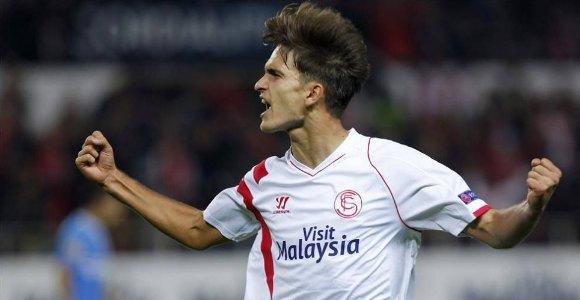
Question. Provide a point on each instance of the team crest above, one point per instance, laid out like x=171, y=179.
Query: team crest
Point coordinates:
x=348, y=204
x=281, y=203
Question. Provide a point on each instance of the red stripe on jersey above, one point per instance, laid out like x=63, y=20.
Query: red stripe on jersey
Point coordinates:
x=388, y=187
x=266, y=245
x=482, y=210
x=260, y=171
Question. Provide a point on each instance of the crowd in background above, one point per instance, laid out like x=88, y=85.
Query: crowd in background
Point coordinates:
x=191, y=132
x=408, y=30
x=189, y=139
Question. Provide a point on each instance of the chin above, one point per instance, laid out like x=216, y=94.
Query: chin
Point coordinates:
x=284, y=126
x=268, y=129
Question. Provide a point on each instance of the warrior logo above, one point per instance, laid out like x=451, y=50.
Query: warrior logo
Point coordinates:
x=348, y=204
x=281, y=205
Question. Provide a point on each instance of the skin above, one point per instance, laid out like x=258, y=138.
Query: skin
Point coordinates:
x=108, y=210
x=176, y=219
x=297, y=107
x=506, y=228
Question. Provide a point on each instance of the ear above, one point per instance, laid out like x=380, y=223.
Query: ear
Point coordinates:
x=315, y=93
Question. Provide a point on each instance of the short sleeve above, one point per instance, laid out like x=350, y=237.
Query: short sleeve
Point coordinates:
x=228, y=214
x=429, y=195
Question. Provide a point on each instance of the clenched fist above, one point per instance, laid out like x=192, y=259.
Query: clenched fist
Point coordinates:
x=96, y=160
x=542, y=181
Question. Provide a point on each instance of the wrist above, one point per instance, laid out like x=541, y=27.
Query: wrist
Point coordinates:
x=535, y=208
x=111, y=179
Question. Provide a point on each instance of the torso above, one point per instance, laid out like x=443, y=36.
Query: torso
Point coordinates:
x=334, y=230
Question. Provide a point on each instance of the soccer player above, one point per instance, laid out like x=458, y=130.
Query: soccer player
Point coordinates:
x=83, y=247
x=340, y=214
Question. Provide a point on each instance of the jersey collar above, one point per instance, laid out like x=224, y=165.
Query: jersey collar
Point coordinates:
x=344, y=148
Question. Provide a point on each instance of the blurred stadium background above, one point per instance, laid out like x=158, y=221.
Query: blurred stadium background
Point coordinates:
x=481, y=86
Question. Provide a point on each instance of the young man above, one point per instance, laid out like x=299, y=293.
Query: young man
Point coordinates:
x=339, y=215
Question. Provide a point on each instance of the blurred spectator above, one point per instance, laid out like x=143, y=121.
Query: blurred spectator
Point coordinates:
x=83, y=247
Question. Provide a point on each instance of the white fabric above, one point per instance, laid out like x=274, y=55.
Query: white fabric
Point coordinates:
x=364, y=247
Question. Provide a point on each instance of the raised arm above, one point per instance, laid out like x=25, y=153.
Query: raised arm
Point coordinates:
x=505, y=228
x=176, y=219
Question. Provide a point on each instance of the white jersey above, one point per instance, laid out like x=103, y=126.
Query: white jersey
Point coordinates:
x=349, y=228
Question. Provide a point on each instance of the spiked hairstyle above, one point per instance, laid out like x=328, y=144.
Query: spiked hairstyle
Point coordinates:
x=326, y=47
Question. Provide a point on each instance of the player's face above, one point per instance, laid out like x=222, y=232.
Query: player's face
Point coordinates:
x=283, y=94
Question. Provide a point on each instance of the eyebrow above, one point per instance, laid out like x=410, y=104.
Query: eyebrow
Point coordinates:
x=273, y=71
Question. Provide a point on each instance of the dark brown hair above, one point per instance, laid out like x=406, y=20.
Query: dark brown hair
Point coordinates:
x=326, y=47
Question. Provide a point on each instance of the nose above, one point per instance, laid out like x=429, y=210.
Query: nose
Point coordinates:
x=260, y=84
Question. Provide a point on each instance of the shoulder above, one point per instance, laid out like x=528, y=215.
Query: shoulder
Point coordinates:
x=263, y=168
x=74, y=231
x=81, y=225
x=72, y=225
x=402, y=159
x=384, y=149
x=270, y=163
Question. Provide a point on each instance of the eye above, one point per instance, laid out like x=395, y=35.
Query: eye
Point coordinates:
x=274, y=73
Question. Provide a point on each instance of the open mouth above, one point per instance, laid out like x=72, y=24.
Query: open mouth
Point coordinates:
x=266, y=103
x=267, y=106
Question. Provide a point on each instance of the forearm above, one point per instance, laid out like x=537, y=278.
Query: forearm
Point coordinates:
x=506, y=228
x=517, y=222
x=176, y=219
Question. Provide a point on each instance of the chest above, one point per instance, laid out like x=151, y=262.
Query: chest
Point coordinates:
x=326, y=206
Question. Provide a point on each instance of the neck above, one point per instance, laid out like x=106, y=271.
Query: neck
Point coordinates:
x=97, y=211
x=315, y=141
